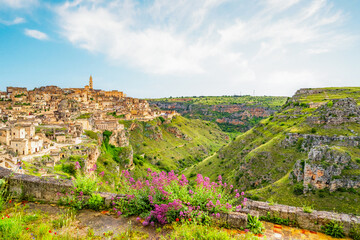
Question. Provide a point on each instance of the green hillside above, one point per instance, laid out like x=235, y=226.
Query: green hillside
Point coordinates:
x=174, y=144
x=265, y=101
x=262, y=159
x=233, y=114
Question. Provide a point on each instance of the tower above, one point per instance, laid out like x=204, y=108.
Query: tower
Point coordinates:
x=91, y=83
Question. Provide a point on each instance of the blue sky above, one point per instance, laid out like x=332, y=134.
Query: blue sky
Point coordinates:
x=161, y=48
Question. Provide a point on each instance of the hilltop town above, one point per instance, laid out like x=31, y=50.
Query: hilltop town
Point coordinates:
x=42, y=121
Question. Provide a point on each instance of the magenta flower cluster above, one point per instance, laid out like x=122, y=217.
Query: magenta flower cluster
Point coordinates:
x=166, y=197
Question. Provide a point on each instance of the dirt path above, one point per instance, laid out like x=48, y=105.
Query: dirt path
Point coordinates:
x=102, y=222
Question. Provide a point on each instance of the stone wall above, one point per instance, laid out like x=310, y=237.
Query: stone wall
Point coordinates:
x=34, y=187
x=42, y=189
x=311, y=221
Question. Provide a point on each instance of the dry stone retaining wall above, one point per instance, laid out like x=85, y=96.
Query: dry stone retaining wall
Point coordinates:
x=46, y=190
x=311, y=221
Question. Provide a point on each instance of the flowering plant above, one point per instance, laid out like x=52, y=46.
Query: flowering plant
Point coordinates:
x=164, y=197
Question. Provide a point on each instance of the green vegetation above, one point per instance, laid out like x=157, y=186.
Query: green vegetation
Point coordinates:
x=334, y=229
x=355, y=233
x=175, y=144
x=254, y=225
x=96, y=202
x=91, y=134
x=233, y=114
x=266, y=101
x=84, y=116
x=20, y=95
x=116, y=116
x=191, y=231
x=278, y=220
x=261, y=159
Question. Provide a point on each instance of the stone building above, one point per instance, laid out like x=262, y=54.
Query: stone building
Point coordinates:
x=5, y=136
x=110, y=125
x=20, y=146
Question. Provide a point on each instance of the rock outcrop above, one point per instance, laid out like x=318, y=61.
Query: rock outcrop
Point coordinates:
x=324, y=169
x=308, y=141
x=337, y=112
x=178, y=133
x=119, y=138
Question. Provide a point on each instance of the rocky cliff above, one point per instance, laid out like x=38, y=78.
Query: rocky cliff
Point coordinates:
x=240, y=113
x=310, y=146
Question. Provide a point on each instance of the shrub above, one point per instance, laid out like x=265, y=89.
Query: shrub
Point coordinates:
x=298, y=189
x=254, y=225
x=2, y=194
x=85, y=184
x=278, y=220
x=330, y=104
x=91, y=134
x=334, y=229
x=164, y=197
x=313, y=130
x=355, y=233
x=307, y=209
x=69, y=168
x=299, y=144
x=96, y=202
x=139, y=160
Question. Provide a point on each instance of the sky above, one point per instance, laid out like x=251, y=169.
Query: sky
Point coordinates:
x=162, y=48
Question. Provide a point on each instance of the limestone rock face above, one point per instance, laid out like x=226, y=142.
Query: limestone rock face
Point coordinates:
x=119, y=138
x=92, y=158
x=153, y=132
x=178, y=133
x=127, y=154
x=312, y=140
x=324, y=169
x=339, y=111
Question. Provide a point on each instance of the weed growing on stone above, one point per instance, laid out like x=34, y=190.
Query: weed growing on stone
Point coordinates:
x=254, y=225
x=334, y=229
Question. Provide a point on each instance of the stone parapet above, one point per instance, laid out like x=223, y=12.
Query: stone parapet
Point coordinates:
x=42, y=189
x=313, y=221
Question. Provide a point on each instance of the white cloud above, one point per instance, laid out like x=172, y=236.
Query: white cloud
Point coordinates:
x=18, y=3
x=178, y=38
x=36, y=34
x=17, y=20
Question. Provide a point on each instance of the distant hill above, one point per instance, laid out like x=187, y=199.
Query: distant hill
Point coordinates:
x=231, y=113
x=308, y=153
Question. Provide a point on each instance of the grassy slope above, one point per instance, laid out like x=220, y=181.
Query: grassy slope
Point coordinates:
x=257, y=160
x=172, y=153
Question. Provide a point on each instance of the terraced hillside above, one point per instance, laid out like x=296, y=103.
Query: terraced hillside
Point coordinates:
x=231, y=113
x=308, y=153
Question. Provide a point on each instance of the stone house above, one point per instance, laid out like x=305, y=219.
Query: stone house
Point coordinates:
x=35, y=145
x=86, y=125
x=5, y=136
x=110, y=125
x=60, y=138
x=18, y=132
x=20, y=146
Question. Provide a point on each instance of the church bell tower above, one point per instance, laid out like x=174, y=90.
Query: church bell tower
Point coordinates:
x=91, y=83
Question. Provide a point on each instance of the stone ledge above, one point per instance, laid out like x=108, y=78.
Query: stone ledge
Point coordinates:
x=47, y=189
x=310, y=221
